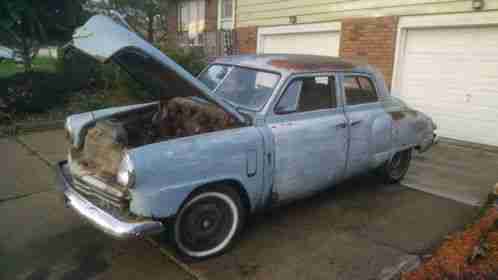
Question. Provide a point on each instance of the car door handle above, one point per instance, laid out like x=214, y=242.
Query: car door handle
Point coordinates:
x=355, y=123
x=341, y=125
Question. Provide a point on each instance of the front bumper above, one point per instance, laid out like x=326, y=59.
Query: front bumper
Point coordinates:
x=99, y=218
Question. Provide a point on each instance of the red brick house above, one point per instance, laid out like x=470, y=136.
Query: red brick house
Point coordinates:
x=203, y=23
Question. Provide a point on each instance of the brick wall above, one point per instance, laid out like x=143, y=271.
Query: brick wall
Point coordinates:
x=370, y=40
x=246, y=39
x=211, y=15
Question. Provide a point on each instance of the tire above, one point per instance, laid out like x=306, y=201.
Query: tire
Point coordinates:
x=395, y=169
x=208, y=223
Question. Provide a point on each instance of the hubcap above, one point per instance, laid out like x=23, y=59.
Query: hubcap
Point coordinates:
x=206, y=225
x=399, y=164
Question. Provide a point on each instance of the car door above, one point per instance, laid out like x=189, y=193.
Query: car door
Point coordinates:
x=310, y=137
x=368, y=124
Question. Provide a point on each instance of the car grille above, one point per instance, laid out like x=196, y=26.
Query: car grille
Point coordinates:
x=108, y=198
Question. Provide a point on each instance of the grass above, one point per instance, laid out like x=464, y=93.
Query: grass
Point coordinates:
x=40, y=64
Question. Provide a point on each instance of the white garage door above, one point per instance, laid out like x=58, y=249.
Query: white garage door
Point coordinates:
x=452, y=74
x=317, y=43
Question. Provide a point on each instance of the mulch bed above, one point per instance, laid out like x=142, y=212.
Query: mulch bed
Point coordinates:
x=471, y=254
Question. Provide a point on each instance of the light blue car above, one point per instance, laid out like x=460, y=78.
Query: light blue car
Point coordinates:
x=250, y=132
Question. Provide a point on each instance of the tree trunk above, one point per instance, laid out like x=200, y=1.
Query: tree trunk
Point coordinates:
x=150, y=29
x=26, y=55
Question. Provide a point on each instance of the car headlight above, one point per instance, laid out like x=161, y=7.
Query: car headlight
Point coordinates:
x=126, y=172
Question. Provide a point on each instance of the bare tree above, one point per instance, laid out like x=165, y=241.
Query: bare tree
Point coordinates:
x=147, y=17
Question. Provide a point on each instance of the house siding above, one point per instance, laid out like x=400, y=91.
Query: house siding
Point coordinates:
x=277, y=12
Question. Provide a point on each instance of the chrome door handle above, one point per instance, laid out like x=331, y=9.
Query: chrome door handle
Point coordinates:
x=355, y=123
x=341, y=125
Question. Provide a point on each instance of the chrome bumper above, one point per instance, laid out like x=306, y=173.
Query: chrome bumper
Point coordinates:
x=429, y=143
x=98, y=217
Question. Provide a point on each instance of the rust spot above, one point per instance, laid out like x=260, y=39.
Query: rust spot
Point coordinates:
x=311, y=64
x=397, y=115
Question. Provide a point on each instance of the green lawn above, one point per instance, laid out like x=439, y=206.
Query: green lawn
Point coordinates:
x=40, y=64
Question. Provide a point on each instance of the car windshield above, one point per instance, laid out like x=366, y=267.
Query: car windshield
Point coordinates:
x=243, y=87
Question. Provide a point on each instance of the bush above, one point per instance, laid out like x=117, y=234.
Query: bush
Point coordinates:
x=83, y=71
x=35, y=92
x=83, y=82
x=192, y=59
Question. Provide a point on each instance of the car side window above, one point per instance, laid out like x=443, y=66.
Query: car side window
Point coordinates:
x=359, y=90
x=308, y=94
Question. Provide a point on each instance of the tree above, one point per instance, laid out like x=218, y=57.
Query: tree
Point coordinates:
x=26, y=25
x=148, y=17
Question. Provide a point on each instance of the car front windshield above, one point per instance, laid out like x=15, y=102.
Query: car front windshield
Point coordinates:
x=244, y=87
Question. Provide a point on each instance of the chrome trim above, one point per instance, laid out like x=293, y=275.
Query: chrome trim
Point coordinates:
x=100, y=218
x=436, y=139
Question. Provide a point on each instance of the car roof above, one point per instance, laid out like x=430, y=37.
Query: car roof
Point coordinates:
x=295, y=63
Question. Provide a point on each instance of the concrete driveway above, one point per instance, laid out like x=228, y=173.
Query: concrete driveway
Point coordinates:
x=459, y=171
x=350, y=232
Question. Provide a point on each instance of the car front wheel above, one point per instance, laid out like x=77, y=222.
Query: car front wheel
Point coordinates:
x=396, y=168
x=208, y=223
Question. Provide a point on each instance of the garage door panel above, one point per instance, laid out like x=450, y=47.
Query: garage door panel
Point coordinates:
x=457, y=111
x=317, y=43
x=452, y=74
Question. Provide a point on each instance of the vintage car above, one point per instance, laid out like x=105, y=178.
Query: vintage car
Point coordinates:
x=250, y=132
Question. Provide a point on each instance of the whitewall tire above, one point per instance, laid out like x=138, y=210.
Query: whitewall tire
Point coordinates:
x=208, y=223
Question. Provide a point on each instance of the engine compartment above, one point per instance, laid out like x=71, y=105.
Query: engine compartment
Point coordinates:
x=107, y=140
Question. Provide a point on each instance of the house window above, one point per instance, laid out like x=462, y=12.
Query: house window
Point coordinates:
x=191, y=16
x=225, y=14
x=227, y=9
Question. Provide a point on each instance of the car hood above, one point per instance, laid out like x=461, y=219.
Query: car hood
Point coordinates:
x=107, y=40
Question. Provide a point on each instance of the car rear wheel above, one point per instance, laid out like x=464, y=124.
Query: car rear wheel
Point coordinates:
x=395, y=169
x=208, y=223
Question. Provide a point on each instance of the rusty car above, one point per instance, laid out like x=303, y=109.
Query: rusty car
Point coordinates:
x=248, y=133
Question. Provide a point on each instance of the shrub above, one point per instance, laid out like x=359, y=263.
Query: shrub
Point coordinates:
x=36, y=92
x=192, y=59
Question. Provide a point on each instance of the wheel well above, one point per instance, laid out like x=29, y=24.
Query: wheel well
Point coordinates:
x=244, y=197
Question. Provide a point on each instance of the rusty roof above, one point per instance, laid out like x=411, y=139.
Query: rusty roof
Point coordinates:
x=294, y=63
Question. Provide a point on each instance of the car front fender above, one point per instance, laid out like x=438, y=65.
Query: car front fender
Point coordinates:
x=167, y=172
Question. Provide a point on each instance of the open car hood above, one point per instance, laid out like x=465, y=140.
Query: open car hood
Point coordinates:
x=105, y=39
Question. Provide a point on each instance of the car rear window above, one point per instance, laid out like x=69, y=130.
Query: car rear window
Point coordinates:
x=359, y=90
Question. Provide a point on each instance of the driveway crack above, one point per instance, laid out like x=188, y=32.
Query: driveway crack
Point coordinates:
x=34, y=152
x=20, y=196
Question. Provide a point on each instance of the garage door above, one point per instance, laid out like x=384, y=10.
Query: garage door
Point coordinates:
x=452, y=74
x=317, y=43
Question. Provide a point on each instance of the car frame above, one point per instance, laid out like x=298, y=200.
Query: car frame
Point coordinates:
x=200, y=188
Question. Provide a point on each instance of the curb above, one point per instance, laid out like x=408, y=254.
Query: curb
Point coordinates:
x=183, y=266
x=406, y=264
